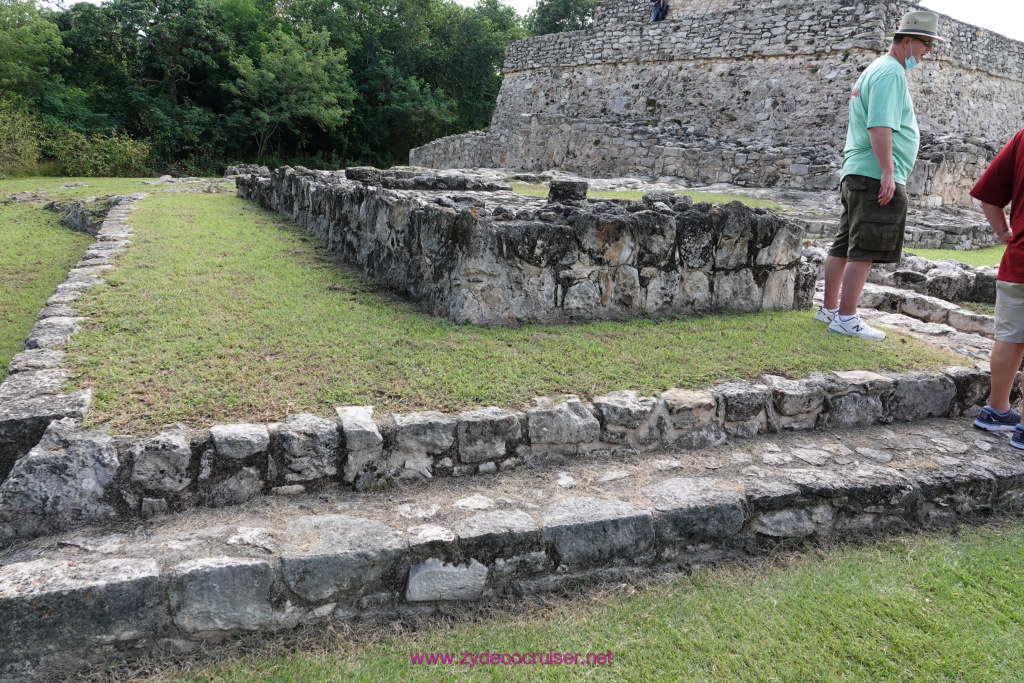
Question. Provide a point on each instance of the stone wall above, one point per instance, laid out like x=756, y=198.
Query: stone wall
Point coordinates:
x=772, y=77
x=468, y=257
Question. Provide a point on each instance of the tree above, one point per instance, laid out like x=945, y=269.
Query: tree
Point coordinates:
x=296, y=82
x=556, y=16
x=29, y=44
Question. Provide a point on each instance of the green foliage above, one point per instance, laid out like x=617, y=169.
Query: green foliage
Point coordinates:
x=296, y=81
x=19, y=151
x=96, y=155
x=989, y=256
x=29, y=43
x=556, y=16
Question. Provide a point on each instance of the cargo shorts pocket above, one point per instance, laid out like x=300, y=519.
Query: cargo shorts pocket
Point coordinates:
x=879, y=233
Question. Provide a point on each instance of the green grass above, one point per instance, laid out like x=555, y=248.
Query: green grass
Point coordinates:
x=534, y=190
x=942, y=607
x=978, y=307
x=37, y=254
x=222, y=311
x=989, y=256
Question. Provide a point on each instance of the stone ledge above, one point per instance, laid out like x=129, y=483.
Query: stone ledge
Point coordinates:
x=293, y=566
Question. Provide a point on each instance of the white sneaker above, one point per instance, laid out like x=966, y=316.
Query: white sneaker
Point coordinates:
x=824, y=315
x=855, y=327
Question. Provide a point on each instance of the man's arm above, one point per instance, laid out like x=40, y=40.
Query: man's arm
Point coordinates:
x=881, y=145
x=997, y=219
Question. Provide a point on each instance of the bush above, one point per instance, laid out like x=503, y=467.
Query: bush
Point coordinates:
x=19, y=149
x=96, y=155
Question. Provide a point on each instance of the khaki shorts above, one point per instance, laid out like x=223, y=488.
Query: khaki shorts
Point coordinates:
x=869, y=231
x=1010, y=312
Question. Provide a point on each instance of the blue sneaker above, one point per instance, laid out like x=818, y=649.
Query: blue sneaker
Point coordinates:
x=1017, y=440
x=989, y=419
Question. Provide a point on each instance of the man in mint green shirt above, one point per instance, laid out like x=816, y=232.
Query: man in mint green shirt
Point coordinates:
x=881, y=147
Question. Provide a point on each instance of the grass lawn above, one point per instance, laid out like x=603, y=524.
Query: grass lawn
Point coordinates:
x=989, y=256
x=940, y=607
x=534, y=190
x=222, y=311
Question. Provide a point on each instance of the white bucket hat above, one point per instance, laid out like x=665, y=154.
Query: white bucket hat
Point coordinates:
x=919, y=23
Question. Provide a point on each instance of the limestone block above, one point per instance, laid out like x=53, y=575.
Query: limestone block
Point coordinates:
x=161, y=463
x=627, y=418
x=561, y=422
x=308, y=448
x=237, y=488
x=769, y=494
x=59, y=483
x=364, y=444
x=795, y=523
x=691, y=419
x=662, y=289
x=786, y=247
x=22, y=422
x=53, y=332
x=582, y=301
x=221, y=594
x=692, y=509
x=926, y=308
x=239, y=441
x=419, y=437
x=853, y=410
x=498, y=534
x=949, y=284
x=364, y=174
x=972, y=386
x=779, y=290
x=589, y=531
x=327, y=555
x=964, y=320
x=920, y=395
x=429, y=538
x=35, y=359
x=434, y=580
x=25, y=385
x=563, y=191
x=733, y=253
x=736, y=292
x=744, y=407
x=56, y=605
x=795, y=397
x=694, y=293
x=487, y=434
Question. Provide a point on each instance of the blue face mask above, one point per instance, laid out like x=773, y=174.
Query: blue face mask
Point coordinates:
x=910, y=63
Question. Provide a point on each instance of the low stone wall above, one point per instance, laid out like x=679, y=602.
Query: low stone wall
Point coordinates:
x=75, y=477
x=470, y=258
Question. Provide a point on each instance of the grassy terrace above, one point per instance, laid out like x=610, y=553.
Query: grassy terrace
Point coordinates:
x=37, y=253
x=222, y=312
x=942, y=607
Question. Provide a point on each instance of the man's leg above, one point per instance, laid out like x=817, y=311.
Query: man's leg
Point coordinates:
x=855, y=274
x=834, y=266
x=1003, y=364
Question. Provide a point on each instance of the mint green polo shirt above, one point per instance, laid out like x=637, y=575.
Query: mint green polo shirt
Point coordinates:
x=881, y=98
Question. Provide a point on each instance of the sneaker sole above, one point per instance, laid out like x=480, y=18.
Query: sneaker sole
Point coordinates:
x=989, y=427
x=857, y=336
x=1017, y=445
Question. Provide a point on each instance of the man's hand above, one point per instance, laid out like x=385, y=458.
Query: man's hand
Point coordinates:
x=1006, y=237
x=887, y=189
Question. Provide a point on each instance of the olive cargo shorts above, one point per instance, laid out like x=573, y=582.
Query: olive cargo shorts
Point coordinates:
x=869, y=231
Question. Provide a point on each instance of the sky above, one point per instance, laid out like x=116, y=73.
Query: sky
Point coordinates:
x=1004, y=16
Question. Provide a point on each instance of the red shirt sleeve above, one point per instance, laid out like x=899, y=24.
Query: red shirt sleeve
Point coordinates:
x=997, y=183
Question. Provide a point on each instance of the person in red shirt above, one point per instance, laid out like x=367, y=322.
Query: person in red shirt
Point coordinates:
x=1002, y=183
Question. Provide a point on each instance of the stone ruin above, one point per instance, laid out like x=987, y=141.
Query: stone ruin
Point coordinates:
x=476, y=252
x=753, y=94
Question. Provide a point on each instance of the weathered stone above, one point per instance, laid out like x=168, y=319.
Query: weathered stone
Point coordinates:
x=240, y=441
x=926, y=308
x=972, y=386
x=23, y=422
x=364, y=444
x=562, y=422
x=36, y=359
x=769, y=494
x=736, y=292
x=975, y=323
x=474, y=502
x=434, y=580
x=693, y=509
x=627, y=418
x=691, y=419
x=50, y=333
x=327, y=555
x=585, y=531
x=419, y=437
x=496, y=534
x=487, y=434
x=60, y=483
x=364, y=174
x=429, y=537
x=308, y=448
x=795, y=397
x=563, y=191
x=153, y=507
x=236, y=489
x=796, y=523
x=221, y=594
x=162, y=462
x=920, y=395
x=54, y=605
x=25, y=385
x=853, y=410
x=744, y=407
